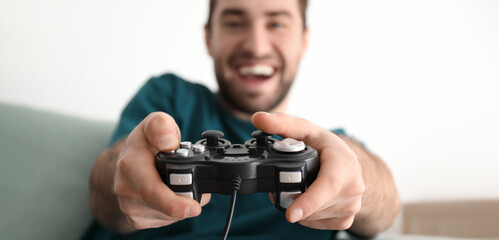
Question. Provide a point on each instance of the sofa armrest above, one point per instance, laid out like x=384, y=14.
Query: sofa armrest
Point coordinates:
x=463, y=218
x=46, y=160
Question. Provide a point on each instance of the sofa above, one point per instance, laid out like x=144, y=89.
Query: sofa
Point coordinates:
x=46, y=160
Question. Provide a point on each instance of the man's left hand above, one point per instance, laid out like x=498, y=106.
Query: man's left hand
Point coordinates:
x=335, y=197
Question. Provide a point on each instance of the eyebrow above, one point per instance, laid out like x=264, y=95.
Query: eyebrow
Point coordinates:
x=278, y=13
x=238, y=12
x=232, y=11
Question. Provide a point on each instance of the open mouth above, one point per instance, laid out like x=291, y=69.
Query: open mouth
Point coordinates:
x=256, y=73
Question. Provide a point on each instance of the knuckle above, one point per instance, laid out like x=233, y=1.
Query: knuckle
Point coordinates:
x=131, y=213
x=357, y=206
x=175, y=210
x=118, y=189
x=123, y=165
x=343, y=223
x=137, y=223
x=171, y=207
x=126, y=209
x=334, y=185
x=355, y=190
x=361, y=188
x=148, y=193
x=352, y=209
x=120, y=186
x=310, y=206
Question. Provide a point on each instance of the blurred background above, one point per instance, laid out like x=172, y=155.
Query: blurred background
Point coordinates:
x=417, y=81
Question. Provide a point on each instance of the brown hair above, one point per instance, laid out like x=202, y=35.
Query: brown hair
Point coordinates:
x=303, y=10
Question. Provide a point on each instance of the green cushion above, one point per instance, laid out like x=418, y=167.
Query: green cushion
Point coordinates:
x=46, y=159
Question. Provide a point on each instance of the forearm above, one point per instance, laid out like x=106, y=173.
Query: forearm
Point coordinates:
x=103, y=202
x=380, y=201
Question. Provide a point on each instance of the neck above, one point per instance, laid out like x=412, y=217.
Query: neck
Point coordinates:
x=281, y=107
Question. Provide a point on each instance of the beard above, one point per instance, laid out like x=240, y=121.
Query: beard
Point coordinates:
x=249, y=102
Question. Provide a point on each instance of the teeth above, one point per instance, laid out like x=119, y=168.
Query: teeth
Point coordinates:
x=257, y=70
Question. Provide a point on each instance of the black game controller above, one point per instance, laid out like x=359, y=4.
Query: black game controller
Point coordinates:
x=263, y=164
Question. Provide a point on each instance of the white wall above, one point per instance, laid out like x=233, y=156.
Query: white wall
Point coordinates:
x=416, y=80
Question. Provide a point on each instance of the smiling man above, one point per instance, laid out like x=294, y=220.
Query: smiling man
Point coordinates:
x=256, y=50
x=256, y=46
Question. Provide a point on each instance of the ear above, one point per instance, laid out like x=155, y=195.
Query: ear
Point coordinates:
x=207, y=39
x=304, y=41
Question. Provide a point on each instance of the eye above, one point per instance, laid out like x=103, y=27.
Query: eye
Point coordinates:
x=276, y=25
x=233, y=24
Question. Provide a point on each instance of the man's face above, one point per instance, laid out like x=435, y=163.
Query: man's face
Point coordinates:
x=256, y=46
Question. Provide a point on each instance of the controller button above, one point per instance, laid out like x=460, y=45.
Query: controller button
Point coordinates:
x=212, y=137
x=289, y=145
x=171, y=152
x=262, y=138
x=260, y=134
x=288, y=197
x=198, y=148
x=290, y=177
x=182, y=152
x=180, y=178
x=186, y=145
x=185, y=194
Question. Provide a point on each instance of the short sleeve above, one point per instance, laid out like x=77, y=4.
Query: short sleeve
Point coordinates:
x=339, y=131
x=342, y=132
x=154, y=96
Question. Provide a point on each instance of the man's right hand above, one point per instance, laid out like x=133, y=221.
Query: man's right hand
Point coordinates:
x=143, y=199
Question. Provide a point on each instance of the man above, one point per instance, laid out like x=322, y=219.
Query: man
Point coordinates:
x=256, y=46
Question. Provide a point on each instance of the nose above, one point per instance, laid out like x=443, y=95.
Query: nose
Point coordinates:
x=257, y=42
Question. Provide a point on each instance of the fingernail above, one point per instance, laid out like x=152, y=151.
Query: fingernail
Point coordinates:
x=191, y=211
x=166, y=142
x=296, y=215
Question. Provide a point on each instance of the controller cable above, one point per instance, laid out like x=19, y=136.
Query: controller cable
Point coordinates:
x=236, y=183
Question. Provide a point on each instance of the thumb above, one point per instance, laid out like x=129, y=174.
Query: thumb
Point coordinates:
x=161, y=131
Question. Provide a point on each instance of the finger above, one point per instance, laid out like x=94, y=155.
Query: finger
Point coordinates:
x=165, y=200
x=138, y=165
x=134, y=208
x=147, y=223
x=325, y=188
x=330, y=224
x=131, y=204
x=138, y=213
x=152, y=189
x=205, y=198
x=161, y=131
x=296, y=128
x=343, y=208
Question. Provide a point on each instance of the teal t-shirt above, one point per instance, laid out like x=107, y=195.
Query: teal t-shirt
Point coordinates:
x=195, y=109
